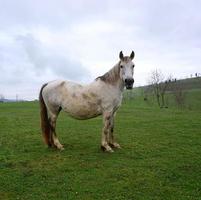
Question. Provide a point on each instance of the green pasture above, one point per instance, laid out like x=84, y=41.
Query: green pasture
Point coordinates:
x=160, y=156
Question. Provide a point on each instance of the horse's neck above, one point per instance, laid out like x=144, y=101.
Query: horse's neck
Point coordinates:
x=120, y=86
x=112, y=77
x=118, y=81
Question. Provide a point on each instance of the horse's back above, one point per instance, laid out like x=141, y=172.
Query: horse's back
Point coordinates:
x=56, y=91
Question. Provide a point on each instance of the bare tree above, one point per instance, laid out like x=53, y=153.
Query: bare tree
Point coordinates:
x=179, y=94
x=164, y=87
x=154, y=81
x=159, y=86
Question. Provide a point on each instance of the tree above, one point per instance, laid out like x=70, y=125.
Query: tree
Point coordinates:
x=179, y=94
x=159, y=86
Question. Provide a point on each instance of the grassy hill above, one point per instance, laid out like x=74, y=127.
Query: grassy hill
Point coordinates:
x=191, y=90
x=160, y=156
x=190, y=83
x=187, y=84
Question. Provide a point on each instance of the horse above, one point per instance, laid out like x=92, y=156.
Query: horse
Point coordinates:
x=101, y=97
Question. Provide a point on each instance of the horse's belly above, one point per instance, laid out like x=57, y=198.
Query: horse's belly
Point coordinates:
x=84, y=116
x=83, y=111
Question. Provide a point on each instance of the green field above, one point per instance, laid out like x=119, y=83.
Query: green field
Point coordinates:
x=160, y=156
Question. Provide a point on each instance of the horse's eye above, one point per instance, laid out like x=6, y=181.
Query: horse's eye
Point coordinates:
x=121, y=66
x=133, y=66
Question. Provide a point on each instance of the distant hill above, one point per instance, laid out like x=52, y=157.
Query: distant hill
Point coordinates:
x=187, y=84
x=188, y=91
x=10, y=100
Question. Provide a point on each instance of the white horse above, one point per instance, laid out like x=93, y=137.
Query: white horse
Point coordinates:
x=102, y=97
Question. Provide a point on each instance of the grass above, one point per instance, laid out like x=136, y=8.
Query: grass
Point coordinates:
x=160, y=158
x=192, y=98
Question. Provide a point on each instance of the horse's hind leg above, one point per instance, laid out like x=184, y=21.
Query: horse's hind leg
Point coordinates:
x=54, y=140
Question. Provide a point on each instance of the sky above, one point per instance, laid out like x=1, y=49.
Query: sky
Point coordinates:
x=80, y=40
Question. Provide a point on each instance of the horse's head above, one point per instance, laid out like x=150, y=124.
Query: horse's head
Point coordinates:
x=127, y=69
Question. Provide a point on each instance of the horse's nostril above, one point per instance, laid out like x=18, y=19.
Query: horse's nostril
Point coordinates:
x=129, y=80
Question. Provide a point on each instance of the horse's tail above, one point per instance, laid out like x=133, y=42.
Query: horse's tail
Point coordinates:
x=45, y=124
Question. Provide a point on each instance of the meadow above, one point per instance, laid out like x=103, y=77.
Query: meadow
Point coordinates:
x=160, y=156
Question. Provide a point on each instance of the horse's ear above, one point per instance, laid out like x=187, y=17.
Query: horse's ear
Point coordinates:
x=132, y=55
x=121, y=55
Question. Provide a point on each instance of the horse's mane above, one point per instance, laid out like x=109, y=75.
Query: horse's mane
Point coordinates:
x=112, y=76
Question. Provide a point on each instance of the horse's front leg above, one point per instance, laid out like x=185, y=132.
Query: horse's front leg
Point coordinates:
x=105, y=133
x=112, y=142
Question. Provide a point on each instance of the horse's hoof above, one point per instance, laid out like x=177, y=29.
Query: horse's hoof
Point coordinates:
x=111, y=145
x=115, y=145
x=103, y=148
x=60, y=147
x=108, y=149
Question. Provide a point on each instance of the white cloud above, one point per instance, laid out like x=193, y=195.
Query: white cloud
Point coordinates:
x=44, y=40
x=26, y=63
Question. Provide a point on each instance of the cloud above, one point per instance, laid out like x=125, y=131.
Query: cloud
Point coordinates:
x=26, y=63
x=45, y=40
x=51, y=14
x=44, y=59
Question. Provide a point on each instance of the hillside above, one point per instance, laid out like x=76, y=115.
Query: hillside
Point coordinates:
x=187, y=84
x=187, y=89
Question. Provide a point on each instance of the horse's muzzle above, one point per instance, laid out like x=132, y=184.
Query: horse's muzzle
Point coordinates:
x=129, y=83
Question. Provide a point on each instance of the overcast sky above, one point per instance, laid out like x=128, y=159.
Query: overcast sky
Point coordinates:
x=80, y=40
